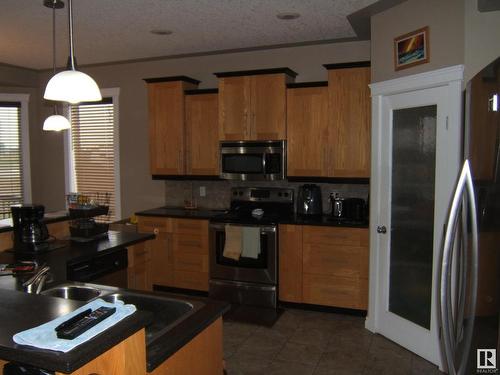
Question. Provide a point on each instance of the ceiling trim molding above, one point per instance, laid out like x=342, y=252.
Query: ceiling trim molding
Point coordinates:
x=361, y=20
x=217, y=52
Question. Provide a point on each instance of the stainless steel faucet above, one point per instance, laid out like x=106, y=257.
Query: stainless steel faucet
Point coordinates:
x=36, y=283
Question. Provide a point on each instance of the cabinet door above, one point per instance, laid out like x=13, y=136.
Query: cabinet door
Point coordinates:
x=308, y=143
x=290, y=263
x=139, y=266
x=202, y=135
x=166, y=127
x=350, y=113
x=161, y=248
x=234, y=108
x=268, y=117
x=162, y=263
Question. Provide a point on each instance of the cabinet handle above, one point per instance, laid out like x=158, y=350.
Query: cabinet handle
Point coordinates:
x=156, y=230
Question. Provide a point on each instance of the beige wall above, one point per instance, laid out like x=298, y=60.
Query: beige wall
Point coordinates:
x=445, y=19
x=482, y=38
x=16, y=76
x=138, y=190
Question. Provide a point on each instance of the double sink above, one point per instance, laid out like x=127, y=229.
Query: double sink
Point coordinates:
x=167, y=312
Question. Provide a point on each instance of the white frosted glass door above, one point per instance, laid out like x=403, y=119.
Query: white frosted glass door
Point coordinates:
x=419, y=161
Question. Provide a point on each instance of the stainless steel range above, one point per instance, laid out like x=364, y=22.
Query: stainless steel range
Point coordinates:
x=244, y=246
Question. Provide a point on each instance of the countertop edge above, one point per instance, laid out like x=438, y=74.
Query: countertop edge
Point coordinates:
x=207, y=214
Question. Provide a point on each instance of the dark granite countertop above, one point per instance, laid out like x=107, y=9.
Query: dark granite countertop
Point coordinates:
x=41, y=309
x=50, y=217
x=322, y=220
x=20, y=311
x=181, y=213
x=71, y=252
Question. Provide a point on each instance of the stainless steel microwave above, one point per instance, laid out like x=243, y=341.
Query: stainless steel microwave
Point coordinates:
x=253, y=160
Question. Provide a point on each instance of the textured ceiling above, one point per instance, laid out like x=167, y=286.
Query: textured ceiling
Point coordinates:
x=118, y=30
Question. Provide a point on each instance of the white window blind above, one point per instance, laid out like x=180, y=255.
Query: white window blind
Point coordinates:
x=11, y=160
x=92, y=143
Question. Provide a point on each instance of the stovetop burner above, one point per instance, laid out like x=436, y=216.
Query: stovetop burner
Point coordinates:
x=276, y=203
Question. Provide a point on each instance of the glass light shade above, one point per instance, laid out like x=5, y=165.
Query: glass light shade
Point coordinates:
x=56, y=123
x=72, y=86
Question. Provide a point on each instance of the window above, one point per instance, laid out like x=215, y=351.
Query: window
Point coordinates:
x=15, y=183
x=93, y=150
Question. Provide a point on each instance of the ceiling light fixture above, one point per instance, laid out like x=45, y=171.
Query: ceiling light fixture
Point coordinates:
x=55, y=122
x=287, y=16
x=71, y=85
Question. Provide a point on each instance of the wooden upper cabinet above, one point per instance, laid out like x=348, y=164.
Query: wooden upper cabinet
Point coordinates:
x=252, y=104
x=202, y=134
x=307, y=131
x=166, y=124
x=234, y=108
x=350, y=114
x=268, y=120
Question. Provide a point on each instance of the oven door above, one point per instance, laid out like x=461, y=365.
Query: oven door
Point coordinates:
x=263, y=269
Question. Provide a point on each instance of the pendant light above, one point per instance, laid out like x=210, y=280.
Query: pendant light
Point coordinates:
x=71, y=85
x=55, y=122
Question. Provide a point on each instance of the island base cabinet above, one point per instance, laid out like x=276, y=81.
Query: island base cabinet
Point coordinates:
x=203, y=355
x=126, y=358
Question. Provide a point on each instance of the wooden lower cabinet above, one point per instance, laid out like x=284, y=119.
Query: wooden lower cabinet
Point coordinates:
x=179, y=254
x=324, y=265
x=290, y=263
x=125, y=358
x=202, y=355
x=139, y=266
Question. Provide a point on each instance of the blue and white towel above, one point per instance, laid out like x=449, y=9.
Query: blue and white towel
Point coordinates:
x=45, y=337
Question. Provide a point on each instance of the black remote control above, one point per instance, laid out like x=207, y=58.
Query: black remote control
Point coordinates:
x=85, y=323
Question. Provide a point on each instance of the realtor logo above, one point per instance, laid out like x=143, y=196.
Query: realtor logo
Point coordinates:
x=486, y=359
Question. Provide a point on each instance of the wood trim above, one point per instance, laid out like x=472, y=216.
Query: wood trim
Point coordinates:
x=239, y=73
x=201, y=91
x=172, y=79
x=355, y=64
x=300, y=85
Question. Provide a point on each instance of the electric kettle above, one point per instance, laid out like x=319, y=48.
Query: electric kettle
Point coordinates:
x=309, y=200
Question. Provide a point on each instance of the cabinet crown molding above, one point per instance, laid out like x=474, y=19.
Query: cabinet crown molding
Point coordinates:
x=172, y=79
x=239, y=73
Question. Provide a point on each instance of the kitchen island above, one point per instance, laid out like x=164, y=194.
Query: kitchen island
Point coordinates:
x=190, y=345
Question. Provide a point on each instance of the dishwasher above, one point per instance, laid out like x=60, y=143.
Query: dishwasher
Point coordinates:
x=106, y=269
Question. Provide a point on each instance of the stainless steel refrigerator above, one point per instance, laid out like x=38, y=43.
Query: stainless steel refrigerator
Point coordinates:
x=469, y=288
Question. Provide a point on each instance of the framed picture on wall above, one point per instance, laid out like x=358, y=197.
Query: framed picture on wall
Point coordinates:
x=411, y=49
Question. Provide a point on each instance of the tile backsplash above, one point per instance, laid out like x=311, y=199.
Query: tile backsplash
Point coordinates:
x=218, y=192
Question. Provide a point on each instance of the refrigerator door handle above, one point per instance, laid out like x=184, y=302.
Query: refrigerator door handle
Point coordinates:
x=449, y=318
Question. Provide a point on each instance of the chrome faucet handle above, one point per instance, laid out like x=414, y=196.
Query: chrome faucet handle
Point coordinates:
x=37, y=281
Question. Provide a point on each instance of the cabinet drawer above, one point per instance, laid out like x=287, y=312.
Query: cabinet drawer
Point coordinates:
x=147, y=224
x=190, y=226
x=190, y=244
x=334, y=260
x=190, y=262
x=191, y=280
x=334, y=291
x=335, y=236
x=139, y=253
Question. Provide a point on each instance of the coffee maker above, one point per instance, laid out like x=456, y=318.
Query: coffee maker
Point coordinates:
x=30, y=232
x=309, y=200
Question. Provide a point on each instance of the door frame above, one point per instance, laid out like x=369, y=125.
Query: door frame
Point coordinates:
x=451, y=78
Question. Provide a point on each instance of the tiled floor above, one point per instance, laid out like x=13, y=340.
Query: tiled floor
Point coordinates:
x=316, y=343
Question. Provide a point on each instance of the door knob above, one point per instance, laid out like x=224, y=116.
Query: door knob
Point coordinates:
x=381, y=229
